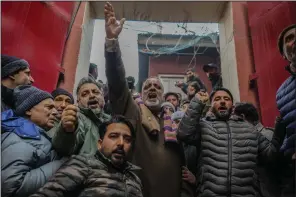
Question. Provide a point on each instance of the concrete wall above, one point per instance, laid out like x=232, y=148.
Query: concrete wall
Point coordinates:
x=228, y=53
x=85, y=45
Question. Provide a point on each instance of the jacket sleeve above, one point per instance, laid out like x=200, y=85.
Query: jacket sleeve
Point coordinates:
x=269, y=149
x=67, y=179
x=19, y=178
x=188, y=130
x=187, y=190
x=67, y=144
x=120, y=98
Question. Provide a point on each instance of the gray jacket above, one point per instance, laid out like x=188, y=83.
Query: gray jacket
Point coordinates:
x=267, y=177
x=229, y=150
x=27, y=162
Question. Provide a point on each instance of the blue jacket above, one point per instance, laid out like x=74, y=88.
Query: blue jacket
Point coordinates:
x=27, y=157
x=286, y=102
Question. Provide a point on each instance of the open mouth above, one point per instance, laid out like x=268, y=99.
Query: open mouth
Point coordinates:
x=152, y=95
x=118, y=153
x=93, y=103
x=222, y=108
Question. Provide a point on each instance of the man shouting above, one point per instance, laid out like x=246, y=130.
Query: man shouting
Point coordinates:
x=157, y=152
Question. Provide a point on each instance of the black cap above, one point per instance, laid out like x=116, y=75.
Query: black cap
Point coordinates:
x=281, y=37
x=60, y=91
x=206, y=67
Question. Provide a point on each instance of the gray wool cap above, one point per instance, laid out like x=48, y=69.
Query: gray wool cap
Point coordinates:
x=26, y=97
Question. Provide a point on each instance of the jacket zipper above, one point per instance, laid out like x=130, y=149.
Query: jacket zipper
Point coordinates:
x=229, y=159
x=125, y=186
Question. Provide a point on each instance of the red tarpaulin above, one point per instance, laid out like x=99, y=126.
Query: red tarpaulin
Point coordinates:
x=267, y=20
x=36, y=31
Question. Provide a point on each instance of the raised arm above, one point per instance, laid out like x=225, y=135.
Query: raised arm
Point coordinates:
x=269, y=149
x=188, y=128
x=120, y=98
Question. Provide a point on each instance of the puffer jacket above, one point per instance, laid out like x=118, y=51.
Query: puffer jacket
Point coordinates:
x=267, y=175
x=286, y=102
x=89, y=176
x=84, y=140
x=229, y=152
x=27, y=157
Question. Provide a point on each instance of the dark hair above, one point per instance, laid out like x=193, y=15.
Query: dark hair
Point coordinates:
x=166, y=95
x=116, y=119
x=220, y=89
x=86, y=80
x=195, y=85
x=248, y=110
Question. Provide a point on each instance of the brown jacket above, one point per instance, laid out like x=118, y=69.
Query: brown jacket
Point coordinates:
x=161, y=165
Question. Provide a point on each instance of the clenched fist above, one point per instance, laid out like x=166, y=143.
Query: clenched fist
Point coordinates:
x=202, y=96
x=69, y=118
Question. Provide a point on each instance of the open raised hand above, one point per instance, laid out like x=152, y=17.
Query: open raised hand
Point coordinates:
x=112, y=26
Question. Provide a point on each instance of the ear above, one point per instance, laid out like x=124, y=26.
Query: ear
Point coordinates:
x=28, y=113
x=11, y=77
x=99, y=145
x=243, y=116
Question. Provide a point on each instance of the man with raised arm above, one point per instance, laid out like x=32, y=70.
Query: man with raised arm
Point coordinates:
x=157, y=150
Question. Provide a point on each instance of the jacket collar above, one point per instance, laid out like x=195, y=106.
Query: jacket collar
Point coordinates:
x=7, y=95
x=126, y=166
x=288, y=68
x=22, y=127
x=259, y=127
x=211, y=117
x=101, y=117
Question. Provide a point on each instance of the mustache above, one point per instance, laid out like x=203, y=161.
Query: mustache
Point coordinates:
x=92, y=101
x=119, y=151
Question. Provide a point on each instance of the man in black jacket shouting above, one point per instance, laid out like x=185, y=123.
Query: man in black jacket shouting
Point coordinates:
x=230, y=147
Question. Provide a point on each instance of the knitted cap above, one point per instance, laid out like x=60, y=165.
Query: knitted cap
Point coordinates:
x=168, y=104
x=10, y=65
x=178, y=115
x=281, y=37
x=220, y=89
x=60, y=91
x=26, y=97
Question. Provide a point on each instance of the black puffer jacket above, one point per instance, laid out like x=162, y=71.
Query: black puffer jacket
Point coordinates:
x=229, y=152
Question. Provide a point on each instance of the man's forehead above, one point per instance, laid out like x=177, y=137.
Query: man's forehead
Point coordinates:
x=120, y=127
x=221, y=93
x=62, y=96
x=89, y=86
x=153, y=80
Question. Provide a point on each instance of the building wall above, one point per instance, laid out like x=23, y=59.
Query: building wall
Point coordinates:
x=266, y=21
x=36, y=31
x=228, y=52
x=85, y=45
x=72, y=49
x=178, y=65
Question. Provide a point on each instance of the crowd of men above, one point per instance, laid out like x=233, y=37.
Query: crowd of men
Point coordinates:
x=114, y=141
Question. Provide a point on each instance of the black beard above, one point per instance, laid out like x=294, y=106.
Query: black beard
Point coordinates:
x=222, y=116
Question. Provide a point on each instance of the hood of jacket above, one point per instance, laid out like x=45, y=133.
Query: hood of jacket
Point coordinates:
x=22, y=127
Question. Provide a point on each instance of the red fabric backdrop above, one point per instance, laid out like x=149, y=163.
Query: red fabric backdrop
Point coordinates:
x=36, y=31
x=267, y=20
